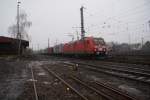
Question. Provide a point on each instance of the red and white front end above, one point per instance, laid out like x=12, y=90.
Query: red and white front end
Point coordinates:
x=100, y=50
x=99, y=47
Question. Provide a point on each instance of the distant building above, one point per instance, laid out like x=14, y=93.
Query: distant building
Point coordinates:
x=10, y=45
x=136, y=46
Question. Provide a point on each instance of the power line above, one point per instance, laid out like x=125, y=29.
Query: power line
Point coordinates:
x=127, y=12
x=127, y=15
x=133, y=14
x=135, y=8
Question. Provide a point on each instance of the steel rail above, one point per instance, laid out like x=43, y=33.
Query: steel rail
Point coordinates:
x=55, y=75
x=93, y=89
x=33, y=79
x=110, y=73
x=114, y=69
x=127, y=97
x=120, y=65
x=116, y=91
x=118, y=75
x=123, y=66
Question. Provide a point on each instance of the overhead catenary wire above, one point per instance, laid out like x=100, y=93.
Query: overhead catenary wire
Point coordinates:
x=125, y=12
x=135, y=16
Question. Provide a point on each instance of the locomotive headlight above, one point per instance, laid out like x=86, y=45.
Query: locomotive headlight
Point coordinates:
x=104, y=49
x=100, y=49
x=95, y=48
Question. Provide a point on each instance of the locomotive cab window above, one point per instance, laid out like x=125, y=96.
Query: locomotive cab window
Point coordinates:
x=99, y=41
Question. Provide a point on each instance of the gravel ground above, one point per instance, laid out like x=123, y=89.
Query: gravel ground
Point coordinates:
x=135, y=89
x=47, y=86
x=16, y=81
x=13, y=74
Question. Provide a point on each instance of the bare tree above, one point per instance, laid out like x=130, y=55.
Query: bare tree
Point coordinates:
x=24, y=24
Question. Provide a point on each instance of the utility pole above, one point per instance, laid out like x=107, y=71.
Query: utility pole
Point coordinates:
x=38, y=49
x=142, y=38
x=142, y=42
x=72, y=36
x=18, y=31
x=127, y=29
x=82, y=23
x=32, y=47
x=48, y=42
x=77, y=35
x=149, y=24
x=56, y=41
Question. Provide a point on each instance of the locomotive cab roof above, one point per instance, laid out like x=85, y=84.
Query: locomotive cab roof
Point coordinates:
x=87, y=38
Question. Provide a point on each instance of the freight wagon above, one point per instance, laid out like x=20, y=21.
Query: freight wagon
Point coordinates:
x=58, y=49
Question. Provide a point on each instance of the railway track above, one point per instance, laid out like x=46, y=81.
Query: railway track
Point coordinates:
x=113, y=93
x=122, y=73
x=64, y=82
x=105, y=89
x=112, y=67
x=128, y=67
x=99, y=89
x=34, y=85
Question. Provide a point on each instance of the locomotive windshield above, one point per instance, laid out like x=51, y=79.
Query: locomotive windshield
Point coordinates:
x=99, y=41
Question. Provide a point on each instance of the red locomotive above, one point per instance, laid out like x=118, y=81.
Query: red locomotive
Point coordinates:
x=89, y=46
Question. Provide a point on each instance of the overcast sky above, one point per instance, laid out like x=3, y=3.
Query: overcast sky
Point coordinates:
x=114, y=20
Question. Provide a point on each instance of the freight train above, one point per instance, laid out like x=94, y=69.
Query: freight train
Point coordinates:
x=87, y=47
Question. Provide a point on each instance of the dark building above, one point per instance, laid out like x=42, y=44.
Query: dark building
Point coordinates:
x=10, y=45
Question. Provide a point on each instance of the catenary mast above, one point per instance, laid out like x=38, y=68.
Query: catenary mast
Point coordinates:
x=82, y=23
